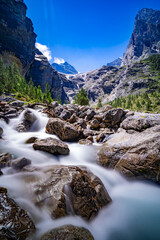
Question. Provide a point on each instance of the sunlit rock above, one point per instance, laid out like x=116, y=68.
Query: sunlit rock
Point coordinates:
x=68, y=232
x=65, y=131
x=51, y=145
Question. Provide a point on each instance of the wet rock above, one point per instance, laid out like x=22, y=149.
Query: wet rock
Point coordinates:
x=94, y=124
x=113, y=116
x=134, y=155
x=103, y=135
x=51, y=145
x=68, y=232
x=15, y=222
x=90, y=114
x=1, y=173
x=5, y=160
x=64, y=130
x=11, y=111
x=71, y=190
x=30, y=116
x=14, y=115
x=21, y=162
x=140, y=122
x=73, y=118
x=88, y=132
x=80, y=123
x=90, y=138
x=22, y=127
x=31, y=140
x=17, y=104
x=85, y=142
x=1, y=132
x=65, y=115
x=4, y=118
x=26, y=124
x=100, y=137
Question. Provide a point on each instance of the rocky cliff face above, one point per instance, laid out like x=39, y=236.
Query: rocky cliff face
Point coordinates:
x=145, y=39
x=17, y=43
x=108, y=83
x=42, y=72
x=17, y=38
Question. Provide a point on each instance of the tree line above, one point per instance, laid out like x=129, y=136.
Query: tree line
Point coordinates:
x=11, y=81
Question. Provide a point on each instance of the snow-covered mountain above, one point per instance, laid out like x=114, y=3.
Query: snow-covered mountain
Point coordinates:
x=63, y=67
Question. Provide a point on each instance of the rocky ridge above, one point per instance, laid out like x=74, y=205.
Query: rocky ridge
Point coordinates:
x=108, y=83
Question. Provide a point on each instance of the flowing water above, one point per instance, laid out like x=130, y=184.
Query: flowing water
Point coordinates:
x=133, y=214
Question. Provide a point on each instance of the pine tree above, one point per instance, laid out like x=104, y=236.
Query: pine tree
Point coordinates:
x=99, y=104
x=81, y=98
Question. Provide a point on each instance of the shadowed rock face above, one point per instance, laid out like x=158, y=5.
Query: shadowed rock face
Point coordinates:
x=16, y=32
x=42, y=73
x=145, y=37
x=15, y=222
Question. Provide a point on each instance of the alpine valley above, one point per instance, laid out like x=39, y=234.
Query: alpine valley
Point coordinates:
x=79, y=152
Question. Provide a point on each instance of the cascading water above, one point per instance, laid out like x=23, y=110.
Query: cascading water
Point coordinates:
x=133, y=214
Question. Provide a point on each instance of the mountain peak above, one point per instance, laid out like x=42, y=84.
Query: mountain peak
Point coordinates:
x=145, y=39
x=64, y=67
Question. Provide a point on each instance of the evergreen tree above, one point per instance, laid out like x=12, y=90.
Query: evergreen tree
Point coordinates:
x=81, y=98
x=99, y=104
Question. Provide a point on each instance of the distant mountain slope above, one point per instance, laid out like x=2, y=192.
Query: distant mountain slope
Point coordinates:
x=145, y=39
x=109, y=83
x=65, y=68
x=115, y=63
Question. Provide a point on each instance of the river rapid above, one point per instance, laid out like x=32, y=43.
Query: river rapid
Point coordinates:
x=134, y=213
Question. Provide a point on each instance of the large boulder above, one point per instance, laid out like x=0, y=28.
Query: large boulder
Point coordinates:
x=140, y=122
x=15, y=222
x=70, y=190
x=28, y=119
x=68, y=232
x=51, y=145
x=113, y=117
x=65, y=131
x=30, y=116
x=5, y=160
x=21, y=162
x=134, y=155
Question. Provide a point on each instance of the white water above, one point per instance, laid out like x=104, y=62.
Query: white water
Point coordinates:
x=133, y=214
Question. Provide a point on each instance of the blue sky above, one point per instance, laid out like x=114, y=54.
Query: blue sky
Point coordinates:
x=86, y=33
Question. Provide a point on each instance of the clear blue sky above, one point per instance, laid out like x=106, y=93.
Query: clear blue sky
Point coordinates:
x=86, y=33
